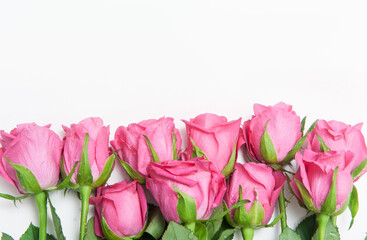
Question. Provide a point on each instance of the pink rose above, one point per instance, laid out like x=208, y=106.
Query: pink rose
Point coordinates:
x=98, y=147
x=316, y=171
x=259, y=183
x=197, y=178
x=123, y=206
x=134, y=149
x=37, y=148
x=214, y=135
x=339, y=136
x=282, y=125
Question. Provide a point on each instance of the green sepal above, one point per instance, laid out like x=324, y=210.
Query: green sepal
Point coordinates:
x=106, y=172
x=240, y=216
x=329, y=205
x=64, y=176
x=108, y=232
x=303, y=123
x=227, y=217
x=26, y=178
x=267, y=149
x=344, y=207
x=131, y=172
x=200, y=231
x=174, y=147
x=256, y=213
x=10, y=197
x=227, y=210
x=275, y=221
x=359, y=169
x=196, y=151
x=85, y=176
x=156, y=224
x=228, y=169
x=353, y=205
x=66, y=181
x=306, y=196
x=154, y=154
x=323, y=146
x=186, y=206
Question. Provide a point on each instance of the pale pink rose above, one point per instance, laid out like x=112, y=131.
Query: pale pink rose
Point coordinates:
x=197, y=178
x=132, y=148
x=258, y=181
x=213, y=134
x=123, y=206
x=37, y=148
x=316, y=171
x=284, y=128
x=98, y=148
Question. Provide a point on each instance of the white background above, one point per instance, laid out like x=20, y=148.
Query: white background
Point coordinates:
x=126, y=61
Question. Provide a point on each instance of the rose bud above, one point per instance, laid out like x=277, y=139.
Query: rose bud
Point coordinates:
x=338, y=136
x=272, y=133
x=34, y=147
x=120, y=210
x=215, y=137
x=132, y=142
x=259, y=184
x=196, y=179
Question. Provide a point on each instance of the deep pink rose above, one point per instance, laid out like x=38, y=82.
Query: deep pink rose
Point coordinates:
x=339, y=136
x=197, y=177
x=37, y=148
x=98, y=148
x=315, y=172
x=124, y=207
x=214, y=135
x=258, y=181
x=284, y=128
x=134, y=149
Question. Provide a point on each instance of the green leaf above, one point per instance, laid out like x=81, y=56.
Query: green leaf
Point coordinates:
x=267, y=149
x=329, y=205
x=107, y=230
x=228, y=169
x=353, y=205
x=10, y=197
x=359, y=169
x=227, y=234
x=26, y=178
x=177, y=232
x=32, y=233
x=106, y=172
x=131, y=172
x=200, y=231
x=307, y=228
x=214, y=226
x=85, y=174
x=89, y=234
x=6, y=237
x=174, y=141
x=56, y=222
x=323, y=146
x=196, y=151
x=156, y=224
x=303, y=123
x=66, y=181
x=154, y=154
x=306, y=196
x=186, y=206
x=331, y=233
x=289, y=234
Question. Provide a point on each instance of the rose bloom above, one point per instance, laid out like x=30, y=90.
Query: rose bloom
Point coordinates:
x=197, y=178
x=284, y=128
x=258, y=181
x=37, y=148
x=124, y=208
x=98, y=147
x=213, y=134
x=315, y=172
x=132, y=148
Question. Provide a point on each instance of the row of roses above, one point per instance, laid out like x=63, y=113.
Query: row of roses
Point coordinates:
x=187, y=191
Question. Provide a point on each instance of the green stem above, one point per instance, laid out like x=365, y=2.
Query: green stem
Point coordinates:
x=283, y=219
x=85, y=192
x=190, y=226
x=333, y=220
x=247, y=233
x=322, y=220
x=41, y=198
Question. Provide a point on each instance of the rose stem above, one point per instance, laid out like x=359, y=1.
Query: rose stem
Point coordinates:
x=247, y=233
x=322, y=220
x=283, y=219
x=42, y=214
x=85, y=192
